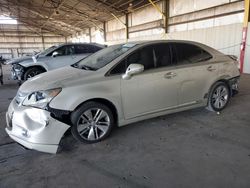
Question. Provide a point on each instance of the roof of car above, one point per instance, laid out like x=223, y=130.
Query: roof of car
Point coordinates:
x=82, y=43
x=204, y=46
x=159, y=41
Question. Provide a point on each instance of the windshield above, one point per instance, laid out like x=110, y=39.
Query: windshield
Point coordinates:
x=103, y=57
x=43, y=53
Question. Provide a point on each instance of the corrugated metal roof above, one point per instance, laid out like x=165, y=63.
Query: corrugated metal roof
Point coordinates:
x=66, y=17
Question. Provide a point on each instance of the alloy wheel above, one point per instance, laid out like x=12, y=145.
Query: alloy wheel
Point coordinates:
x=93, y=124
x=220, y=97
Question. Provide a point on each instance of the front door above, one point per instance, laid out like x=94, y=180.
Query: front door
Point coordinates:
x=153, y=90
x=64, y=57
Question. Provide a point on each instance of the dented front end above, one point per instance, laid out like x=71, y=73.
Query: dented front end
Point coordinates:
x=34, y=128
x=17, y=72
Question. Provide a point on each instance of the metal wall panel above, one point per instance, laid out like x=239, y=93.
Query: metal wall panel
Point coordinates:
x=213, y=22
x=178, y=7
x=145, y=15
x=114, y=24
x=220, y=32
x=225, y=38
x=146, y=35
x=18, y=40
x=116, y=35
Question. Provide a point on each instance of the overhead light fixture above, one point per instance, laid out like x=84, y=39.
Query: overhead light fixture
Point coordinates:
x=130, y=7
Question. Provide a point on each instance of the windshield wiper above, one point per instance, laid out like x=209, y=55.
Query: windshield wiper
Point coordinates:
x=75, y=65
x=85, y=67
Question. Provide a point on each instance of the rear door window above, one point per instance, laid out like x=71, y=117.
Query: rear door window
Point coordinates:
x=188, y=53
x=83, y=49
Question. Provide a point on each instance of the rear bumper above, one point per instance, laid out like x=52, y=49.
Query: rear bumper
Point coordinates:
x=34, y=128
x=234, y=85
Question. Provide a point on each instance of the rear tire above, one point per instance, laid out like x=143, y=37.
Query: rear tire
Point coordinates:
x=31, y=72
x=218, y=97
x=92, y=122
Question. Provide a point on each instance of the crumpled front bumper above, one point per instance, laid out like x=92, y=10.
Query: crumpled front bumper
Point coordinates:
x=17, y=72
x=34, y=128
x=14, y=75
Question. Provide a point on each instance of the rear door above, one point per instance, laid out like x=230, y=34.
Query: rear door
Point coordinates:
x=196, y=71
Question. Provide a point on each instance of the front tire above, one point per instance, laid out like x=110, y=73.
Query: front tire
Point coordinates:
x=92, y=122
x=31, y=72
x=219, y=97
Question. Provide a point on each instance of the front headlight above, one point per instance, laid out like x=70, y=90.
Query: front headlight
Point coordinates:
x=40, y=99
x=17, y=67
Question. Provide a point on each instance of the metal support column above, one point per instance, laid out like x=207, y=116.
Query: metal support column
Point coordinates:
x=244, y=34
x=104, y=32
x=166, y=15
x=90, y=37
x=43, y=42
x=126, y=23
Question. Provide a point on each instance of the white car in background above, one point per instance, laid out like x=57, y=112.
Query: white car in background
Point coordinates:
x=54, y=57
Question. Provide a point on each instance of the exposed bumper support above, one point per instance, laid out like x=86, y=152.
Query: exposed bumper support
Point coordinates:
x=234, y=85
x=17, y=72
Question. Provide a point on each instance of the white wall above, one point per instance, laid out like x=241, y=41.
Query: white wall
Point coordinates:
x=225, y=38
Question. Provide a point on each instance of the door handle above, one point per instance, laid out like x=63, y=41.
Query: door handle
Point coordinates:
x=170, y=75
x=210, y=68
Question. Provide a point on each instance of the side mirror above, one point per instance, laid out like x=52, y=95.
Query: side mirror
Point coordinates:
x=54, y=54
x=132, y=70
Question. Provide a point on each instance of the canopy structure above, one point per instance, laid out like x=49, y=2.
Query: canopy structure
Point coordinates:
x=66, y=17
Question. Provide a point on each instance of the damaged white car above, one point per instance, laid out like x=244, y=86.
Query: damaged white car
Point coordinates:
x=119, y=85
x=55, y=57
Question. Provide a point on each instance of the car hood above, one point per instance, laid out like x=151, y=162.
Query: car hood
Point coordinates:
x=62, y=77
x=18, y=60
